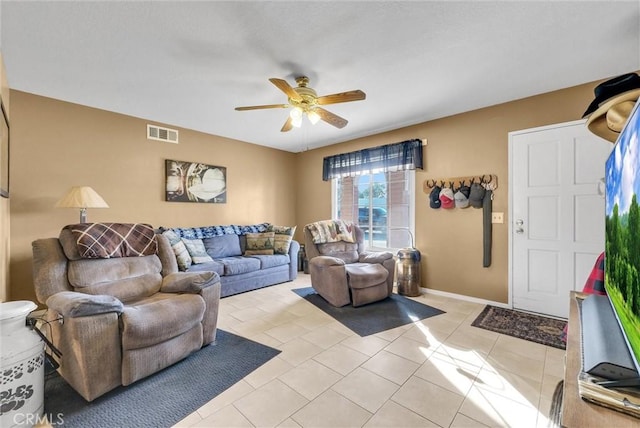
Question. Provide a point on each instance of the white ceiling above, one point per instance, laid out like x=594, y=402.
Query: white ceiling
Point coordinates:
x=188, y=64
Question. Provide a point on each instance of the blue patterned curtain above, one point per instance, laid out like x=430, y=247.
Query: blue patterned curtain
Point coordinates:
x=388, y=158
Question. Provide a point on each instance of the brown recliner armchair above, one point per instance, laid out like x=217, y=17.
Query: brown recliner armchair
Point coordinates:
x=343, y=272
x=119, y=319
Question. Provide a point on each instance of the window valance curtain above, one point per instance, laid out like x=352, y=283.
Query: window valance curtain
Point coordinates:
x=388, y=158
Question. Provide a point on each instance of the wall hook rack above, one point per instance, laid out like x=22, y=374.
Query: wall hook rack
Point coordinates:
x=489, y=181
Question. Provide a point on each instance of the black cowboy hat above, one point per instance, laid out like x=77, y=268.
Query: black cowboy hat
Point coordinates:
x=611, y=88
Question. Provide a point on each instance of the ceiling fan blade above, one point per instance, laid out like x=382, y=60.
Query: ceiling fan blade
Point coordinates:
x=342, y=97
x=330, y=118
x=287, y=125
x=261, y=107
x=286, y=88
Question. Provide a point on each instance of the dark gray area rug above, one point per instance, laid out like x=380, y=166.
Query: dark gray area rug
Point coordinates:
x=165, y=398
x=392, y=312
x=523, y=325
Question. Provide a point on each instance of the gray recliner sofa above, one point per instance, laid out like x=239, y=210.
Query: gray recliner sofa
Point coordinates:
x=342, y=271
x=121, y=318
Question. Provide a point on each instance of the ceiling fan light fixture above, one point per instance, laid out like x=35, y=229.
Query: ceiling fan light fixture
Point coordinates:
x=296, y=117
x=296, y=113
x=296, y=121
x=304, y=101
x=313, y=117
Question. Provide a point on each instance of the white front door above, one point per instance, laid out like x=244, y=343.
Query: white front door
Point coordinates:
x=556, y=214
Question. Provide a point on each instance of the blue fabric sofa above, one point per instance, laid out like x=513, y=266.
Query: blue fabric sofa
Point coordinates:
x=239, y=272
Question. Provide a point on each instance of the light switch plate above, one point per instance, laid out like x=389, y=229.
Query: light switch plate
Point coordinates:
x=497, y=217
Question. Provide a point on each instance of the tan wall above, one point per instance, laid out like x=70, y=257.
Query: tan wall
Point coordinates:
x=57, y=145
x=4, y=204
x=466, y=144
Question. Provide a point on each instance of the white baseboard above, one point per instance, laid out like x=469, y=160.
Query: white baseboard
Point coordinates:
x=465, y=298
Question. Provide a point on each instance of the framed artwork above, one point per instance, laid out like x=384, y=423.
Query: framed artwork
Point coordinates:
x=4, y=154
x=195, y=182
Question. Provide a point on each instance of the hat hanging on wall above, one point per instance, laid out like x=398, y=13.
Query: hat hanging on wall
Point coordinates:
x=434, y=197
x=462, y=197
x=613, y=102
x=476, y=195
x=446, y=198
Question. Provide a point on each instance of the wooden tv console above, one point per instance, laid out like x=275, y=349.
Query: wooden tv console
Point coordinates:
x=577, y=413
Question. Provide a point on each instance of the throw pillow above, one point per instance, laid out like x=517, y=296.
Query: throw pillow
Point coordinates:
x=197, y=251
x=282, y=238
x=259, y=244
x=179, y=249
x=222, y=246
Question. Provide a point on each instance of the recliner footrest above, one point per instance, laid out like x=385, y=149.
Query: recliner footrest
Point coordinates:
x=152, y=321
x=365, y=275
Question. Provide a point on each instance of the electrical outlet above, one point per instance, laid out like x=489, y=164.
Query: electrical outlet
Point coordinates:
x=497, y=217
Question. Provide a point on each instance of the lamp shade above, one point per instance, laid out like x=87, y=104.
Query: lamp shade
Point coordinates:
x=81, y=197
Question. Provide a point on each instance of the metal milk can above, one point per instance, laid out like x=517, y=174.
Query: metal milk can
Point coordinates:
x=22, y=367
x=408, y=272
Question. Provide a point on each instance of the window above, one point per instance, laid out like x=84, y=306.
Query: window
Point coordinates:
x=381, y=203
x=375, y=188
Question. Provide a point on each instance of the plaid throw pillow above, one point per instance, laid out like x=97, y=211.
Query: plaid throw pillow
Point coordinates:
x=112, y=240
x=595, y=282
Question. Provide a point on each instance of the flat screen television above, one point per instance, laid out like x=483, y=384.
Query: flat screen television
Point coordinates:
x=622, y=226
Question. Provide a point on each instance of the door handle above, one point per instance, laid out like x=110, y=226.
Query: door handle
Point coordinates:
x=519, y=228
x=601, y=187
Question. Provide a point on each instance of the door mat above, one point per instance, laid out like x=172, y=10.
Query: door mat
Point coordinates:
x=392, y=312
x=166, y=397
x=523, y=325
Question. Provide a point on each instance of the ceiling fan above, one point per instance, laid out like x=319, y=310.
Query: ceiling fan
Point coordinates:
x=303, y=100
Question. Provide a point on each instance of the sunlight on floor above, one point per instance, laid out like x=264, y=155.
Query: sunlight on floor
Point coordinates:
x=439, y=371
x=489, y=388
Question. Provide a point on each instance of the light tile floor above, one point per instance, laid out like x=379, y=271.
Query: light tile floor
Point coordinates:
x=438, y=372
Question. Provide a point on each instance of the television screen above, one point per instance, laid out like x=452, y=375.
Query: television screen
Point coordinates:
x=622, y=240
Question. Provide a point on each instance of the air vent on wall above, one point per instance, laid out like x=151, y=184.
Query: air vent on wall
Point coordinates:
x=162, y=134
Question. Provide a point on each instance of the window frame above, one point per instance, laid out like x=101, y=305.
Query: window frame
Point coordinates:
x=411, y=182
